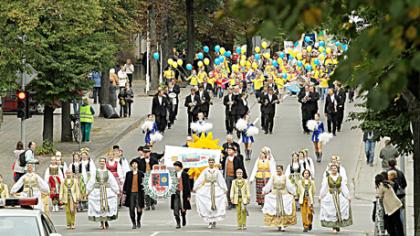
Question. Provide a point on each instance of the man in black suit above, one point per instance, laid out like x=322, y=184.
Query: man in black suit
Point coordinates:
x=173, y=92
x=205, y=101
x=341, y=93
x=330, y=110
x=133, y=189
x=230, y=101
x=307, y=99
x=262, y=93
x=268, y=109
x=145, y=166
x=230, y=164
x=160, y=106
x=180, y=200
x=313, y=102
x=230, y=141
x=192, y=103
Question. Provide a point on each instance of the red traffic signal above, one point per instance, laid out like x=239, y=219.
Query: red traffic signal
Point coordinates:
x=21, y=95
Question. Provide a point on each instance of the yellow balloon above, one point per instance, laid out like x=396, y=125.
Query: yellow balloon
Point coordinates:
x=174, y=64
x=321, y=49
x=179, y=62
x=200, y=64
x=206, y=61
x=222, y=50
x=243, y=62
x=254, y=65
x=328, y=50
x=170, y=61
x=309, y=48
x=280, y=61
x=235, y=67
x=243, y=57
x=267, y=55
x=257, y=49
x=243, y=49
x=248, y=64
x=289, y=51
x=299, y=56
x=264, y=45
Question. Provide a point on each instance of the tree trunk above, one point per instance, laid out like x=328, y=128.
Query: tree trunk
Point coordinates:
x=66, y=135
x=190, y=29
x=415, y=123
x=104, y=93
x=154, y=71
x=249, y=48
x=48, y=132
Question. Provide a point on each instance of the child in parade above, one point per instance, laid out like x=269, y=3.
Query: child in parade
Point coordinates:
x=248, y=131
x=88, y=167
x=293, y=173
x=149, y=127
x=54, y=177
x=307, y=162
x=317, y=127
x=116, y=169
x=263, y=169
x=240, y=196
x=307, y=190
x=210, y=188
x=60, y=162
x=335, y=210
x=134, y=191
x=70, y=196
x=201, y=126
x=77, y=169
x=4, y=190
x=279, y=202
x=180, y=200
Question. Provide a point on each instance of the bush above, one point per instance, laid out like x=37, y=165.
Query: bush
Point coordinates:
x=46, y=148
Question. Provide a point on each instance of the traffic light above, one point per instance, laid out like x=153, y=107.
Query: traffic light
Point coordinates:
x=22, y=104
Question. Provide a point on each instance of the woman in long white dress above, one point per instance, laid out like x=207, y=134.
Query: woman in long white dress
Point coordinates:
x=33, y=186
x=335, y=160
x=335, y=210
x=264, y=168
x=103, y=193
x=279, y=206
x=211, y=201
x=88, y=167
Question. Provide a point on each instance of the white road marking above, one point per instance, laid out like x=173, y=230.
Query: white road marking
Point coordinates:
x=155, y=233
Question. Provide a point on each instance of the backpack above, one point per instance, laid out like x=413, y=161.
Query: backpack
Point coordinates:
x=22, y=159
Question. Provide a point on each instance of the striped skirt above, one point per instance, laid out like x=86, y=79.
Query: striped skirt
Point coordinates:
x=259, y=185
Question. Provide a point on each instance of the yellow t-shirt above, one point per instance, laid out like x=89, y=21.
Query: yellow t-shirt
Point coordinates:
x=201, y=76
x=323, y=83
x=169, y=74
x=258, y=82
x=193, y=80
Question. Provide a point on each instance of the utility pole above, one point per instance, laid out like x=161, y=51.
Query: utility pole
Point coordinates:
x=23, y=119
x=403, y=211
x=161, y=63
x=147, y=54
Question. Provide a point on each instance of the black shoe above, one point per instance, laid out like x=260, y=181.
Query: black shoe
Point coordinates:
x=271, y=132
x=134, y=227
x=147, y=209
x=178, y=226
x=265, y=132
x=138, y=224
x=153, y=207
x=310, y=227
x=184, y=220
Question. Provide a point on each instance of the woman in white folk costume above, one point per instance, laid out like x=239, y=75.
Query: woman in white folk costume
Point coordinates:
x=61, y=163
x=201, y=125
x=294, y=172
x=77, y=170
x=69, y=196
x=264, y=168
x=116, y=169
x=279, y=202
x=33, y=186
x=88, y=167
x=103, y=191
x=248, y=131
x=119, y=156
x=211, y=201
x=335, y=210
x=54, y=177
x=4, y=190
x=335, y=160
x=307, y=163
x=307, y=189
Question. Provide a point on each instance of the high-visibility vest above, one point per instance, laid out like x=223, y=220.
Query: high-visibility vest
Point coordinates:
x=85, y=114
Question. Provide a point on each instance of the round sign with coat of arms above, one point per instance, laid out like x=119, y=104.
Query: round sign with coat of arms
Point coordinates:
x=160, y=182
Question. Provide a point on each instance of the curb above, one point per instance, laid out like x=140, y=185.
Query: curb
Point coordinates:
x=355, y=179
x=101, y=150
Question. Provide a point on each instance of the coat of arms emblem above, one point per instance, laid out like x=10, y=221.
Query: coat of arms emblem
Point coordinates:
x=160, y=182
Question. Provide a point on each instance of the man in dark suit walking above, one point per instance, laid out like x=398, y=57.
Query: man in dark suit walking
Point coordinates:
x=341, y=93
x=330, y=110
x=229, y=101
x=160, y=106
x=180, y=200
x=205, y=101
x=133, y=189
x=192, y=103
x=268, y=108
x=173, y=92
x=305, y=97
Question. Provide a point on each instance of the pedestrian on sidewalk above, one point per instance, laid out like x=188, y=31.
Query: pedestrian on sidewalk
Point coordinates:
x=86, y=119
x=122, y=78
x=70, y=196
x=400, y=179
x=133, y=189
x=369, y=139
x=240, y=196
x=129, y=70
x=180, y=200
x=392, y=206
x=306, y=191
x=114, y=82
x=18, y=170
x=123, y=100
x=97, y=79
x=389, y=152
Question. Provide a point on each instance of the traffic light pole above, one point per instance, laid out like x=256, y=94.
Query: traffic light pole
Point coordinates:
x=23, y=119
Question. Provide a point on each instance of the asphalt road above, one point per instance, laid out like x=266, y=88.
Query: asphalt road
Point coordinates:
x=286, y=138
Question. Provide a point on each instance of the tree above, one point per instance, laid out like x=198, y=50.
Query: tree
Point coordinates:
x=382, y=60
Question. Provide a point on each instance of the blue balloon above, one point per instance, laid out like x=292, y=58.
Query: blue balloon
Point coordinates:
x=238, y=50
x=217, y=61
x=316, y=61
x=275, y=63
x=257, y=56
x=200, y=55
x=308, y=67
x=299, y=63
x=206, y=49
x=221, y=59
x=189, y=67
x=307, y=39
x=282, y=55
x=156, y=56
x=337, y=43
x=345, y=47
x=284, y=75
x=227, y=54
x=321, y=43
x=217, y=48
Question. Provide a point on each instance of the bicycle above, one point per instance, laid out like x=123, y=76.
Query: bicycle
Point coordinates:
x=75, y=128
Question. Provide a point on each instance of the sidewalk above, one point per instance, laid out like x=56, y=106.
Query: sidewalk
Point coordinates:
x=104, y=133
x=365, y=177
